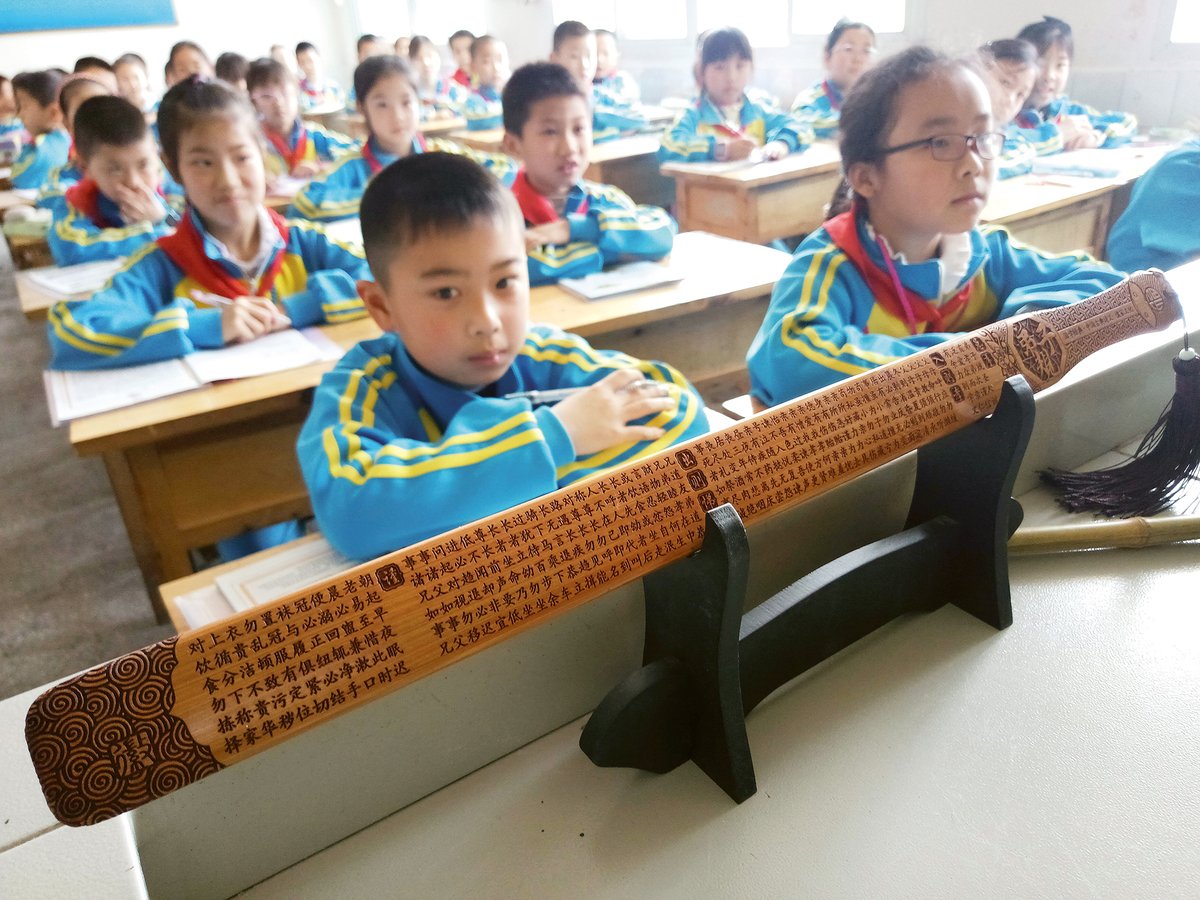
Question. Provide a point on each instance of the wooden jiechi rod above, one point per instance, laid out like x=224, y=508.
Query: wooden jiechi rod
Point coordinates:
x=1131, y=533
x=154, y=720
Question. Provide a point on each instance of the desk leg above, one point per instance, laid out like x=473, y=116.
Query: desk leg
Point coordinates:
x=124, y=485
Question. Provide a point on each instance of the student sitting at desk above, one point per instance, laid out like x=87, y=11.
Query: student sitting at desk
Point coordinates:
x=1009, y=68
x=187, y=58
x=725, y=123
x=849, y=51
x=232, y=68
x=433, y=425
x=610, y=79
x=573, y=227
x=294, y=147
x=906, y=267
x=74, y=91
x=232, y=270
x=460, y=51
x=1159, y=227
x=574, y=49
x=316, y=91
x=12, y=130
x=489, y=72
x=36, y=95
x=118, y=206
x=440, y=97
x=1049, y=116
x=391, y=106
x=133, y=81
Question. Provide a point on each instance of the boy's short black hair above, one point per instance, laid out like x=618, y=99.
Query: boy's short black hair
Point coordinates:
x=265, y=72
x=480, y=42
x=92, y=62
x=531, y=83
x=231, y=67
x=567, y=30
x=72, y=85
x=107, y=120
x=131, y=59
x=459, y=35
x=426, y=193
x=1048, y=32
x=306, y=45
x=364, y=39
x=43, y=87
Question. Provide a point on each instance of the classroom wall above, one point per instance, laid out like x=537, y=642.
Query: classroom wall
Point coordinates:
x=1124, y=59
x=249, y=28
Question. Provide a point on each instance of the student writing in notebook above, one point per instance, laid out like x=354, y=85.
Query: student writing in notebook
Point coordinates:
x=725, y=123
x=390, y=103
x=118, y=206
x=231, y=271
x=906, y=267
x=424, y=428
x=573, y=227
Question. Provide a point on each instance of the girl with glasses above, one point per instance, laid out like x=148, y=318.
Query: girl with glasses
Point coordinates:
x=849, y=52
x=906, y=266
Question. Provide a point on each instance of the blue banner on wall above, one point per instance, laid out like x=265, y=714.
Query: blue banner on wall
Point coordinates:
x=59, y=15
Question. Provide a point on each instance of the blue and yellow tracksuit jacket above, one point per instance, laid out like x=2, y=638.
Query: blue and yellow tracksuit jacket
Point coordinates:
x=1159, y=227
x=321, y=145
x=613, y=117
x=693, y=135
x=52, y=195
x=39, y=158
x=448, y=96
x=619, y=88
x=606, y=227
x=1041, y=126
x=392, y=455
x=819, y=107
x=145, y=312
x=1017, y=156
x=824, y=324
x=482, y=109
x=337, y=194
x=318, y=96
x=75, y=238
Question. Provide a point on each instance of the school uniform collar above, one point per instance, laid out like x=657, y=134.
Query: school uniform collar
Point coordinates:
x=269, y=243
x=488, y=92
x=440, y=397
x=833, y=92
x=959, y=257
x=710, y=112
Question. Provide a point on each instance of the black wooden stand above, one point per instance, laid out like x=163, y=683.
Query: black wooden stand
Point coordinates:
x=706, y=665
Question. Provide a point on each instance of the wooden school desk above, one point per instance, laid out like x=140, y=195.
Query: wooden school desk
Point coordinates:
x=757, y=202
x=35, y=300
x=28, y=252
x=10, y=199
x=192, y=468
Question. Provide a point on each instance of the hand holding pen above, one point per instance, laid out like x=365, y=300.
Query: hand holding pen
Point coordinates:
x=245, y=318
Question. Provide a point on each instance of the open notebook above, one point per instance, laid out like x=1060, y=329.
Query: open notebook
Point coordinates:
x=72, y=395
x=622, y=279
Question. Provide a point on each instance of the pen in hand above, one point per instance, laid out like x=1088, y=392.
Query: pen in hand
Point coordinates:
x=554, y=395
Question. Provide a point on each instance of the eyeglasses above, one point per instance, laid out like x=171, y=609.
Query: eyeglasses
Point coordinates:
x=949, y=147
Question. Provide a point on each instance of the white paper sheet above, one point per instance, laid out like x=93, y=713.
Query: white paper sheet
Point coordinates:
x=70, y=281
x=621, y=279
x=281, y=574
x=203, y=606
x=72, y=395
x=275, y=352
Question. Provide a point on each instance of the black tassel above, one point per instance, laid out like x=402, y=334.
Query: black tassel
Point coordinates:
x=1166, y=460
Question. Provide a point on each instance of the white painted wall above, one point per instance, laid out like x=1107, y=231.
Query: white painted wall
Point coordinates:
x=1124, y=59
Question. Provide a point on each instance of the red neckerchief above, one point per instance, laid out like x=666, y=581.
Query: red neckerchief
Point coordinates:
x=85, y=196
x=373, y=161
x=185, y=247
x=291, y=155
x=835, y=101
x=461, y=76
x=843, y=229
x=536, y=207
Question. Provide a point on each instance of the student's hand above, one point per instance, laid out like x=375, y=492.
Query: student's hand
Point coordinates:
x=248, y=318
x=739, y=148
x=1078, y=133
x=597, y=418
x=139, y=204
x=775, y=150
x=556, y=232
x=306, y=170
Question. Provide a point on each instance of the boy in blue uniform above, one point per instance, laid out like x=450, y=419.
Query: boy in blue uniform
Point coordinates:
x=230, y=272
x=74, y=91
x=392, y=108
x=36, y=94
x=294, y=147
x=117, y=206
x=574, y=49
x=1050, y=117
x=610, y=79
x=432, y=426
x=489, y=72
x=1159, y=227
x=906, y=267
x=726, y=123
x=574, y=227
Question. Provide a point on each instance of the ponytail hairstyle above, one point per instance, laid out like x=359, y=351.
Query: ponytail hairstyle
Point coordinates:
x=194, y=100
x=870, y=108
